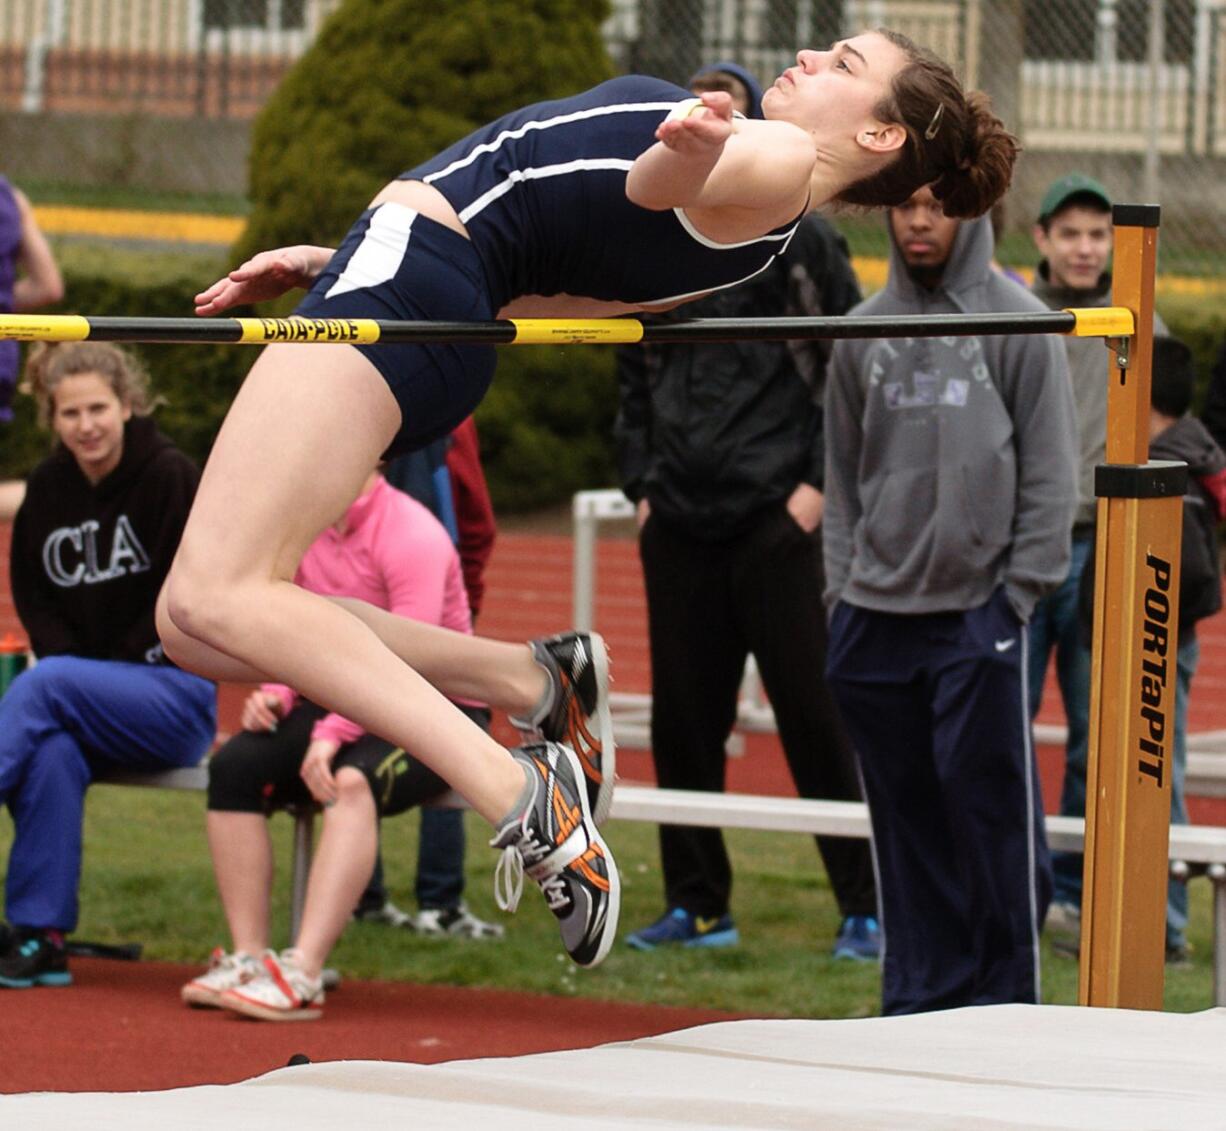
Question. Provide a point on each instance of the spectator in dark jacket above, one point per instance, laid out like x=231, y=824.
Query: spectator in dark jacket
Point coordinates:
x=721, y=448
x=1214, y=413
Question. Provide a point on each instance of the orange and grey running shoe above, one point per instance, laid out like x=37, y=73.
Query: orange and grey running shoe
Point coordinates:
x=555, y=841
x=577, y=712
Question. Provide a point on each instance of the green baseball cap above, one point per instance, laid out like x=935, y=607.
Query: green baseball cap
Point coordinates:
x=1061, y=191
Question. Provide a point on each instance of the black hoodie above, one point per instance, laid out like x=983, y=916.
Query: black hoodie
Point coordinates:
x=87, y=560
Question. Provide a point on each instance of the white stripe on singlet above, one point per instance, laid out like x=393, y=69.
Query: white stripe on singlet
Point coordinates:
x=585, y=165
x=381, y=251
x=544, y=124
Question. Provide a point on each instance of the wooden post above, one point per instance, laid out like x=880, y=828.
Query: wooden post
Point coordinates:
x=1132, y=683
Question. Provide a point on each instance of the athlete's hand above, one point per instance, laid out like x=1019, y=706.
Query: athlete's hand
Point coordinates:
x=264, y=276
x=316, y=771
x=706, y=127
x=261, y=711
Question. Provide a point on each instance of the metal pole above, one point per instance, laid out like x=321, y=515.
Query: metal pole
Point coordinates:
x=1217, y=876
x=1157, y=42
x=583, y=580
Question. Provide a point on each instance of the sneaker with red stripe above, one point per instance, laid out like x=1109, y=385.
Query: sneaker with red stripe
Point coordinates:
x=225, y=972
x=577, y=713
x=555, y=841
x=283, y=992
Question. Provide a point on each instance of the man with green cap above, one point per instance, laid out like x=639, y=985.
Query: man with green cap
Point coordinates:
x=1074, y=235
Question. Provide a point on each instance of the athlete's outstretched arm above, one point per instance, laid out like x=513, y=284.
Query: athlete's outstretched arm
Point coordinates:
x=707, y=160
x=266, y=275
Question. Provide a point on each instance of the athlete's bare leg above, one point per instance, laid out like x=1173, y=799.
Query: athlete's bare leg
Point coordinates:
x=300, y=439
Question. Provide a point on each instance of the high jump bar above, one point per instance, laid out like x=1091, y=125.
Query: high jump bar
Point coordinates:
x=1096, y=322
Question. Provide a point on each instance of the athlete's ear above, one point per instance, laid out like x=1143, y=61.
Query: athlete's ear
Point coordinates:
x=882, y=138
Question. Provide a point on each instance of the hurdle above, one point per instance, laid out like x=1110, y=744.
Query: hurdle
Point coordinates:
x=1137, y=572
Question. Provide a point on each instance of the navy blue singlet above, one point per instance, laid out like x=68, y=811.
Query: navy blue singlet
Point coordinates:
x=542, y=192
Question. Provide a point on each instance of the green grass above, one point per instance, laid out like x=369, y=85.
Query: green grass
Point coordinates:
x=80, y=255
x=147, y=878
x=137, y=199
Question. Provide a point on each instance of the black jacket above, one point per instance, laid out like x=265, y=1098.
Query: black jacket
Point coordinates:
x=711, y=434
x=87, y=561
x=1204, y=507
x=1214, y=414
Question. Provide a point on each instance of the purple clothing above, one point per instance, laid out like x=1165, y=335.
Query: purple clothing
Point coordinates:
x=10, y=250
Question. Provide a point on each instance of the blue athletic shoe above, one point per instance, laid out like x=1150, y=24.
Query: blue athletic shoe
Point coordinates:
x=679, y=928
x=34, y=959
x=859, y=938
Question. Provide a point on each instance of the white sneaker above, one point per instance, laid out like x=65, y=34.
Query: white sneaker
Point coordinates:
x=282, y=992
x=453, y=922
x=225, y=972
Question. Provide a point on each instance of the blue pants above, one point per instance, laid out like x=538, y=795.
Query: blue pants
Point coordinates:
x=62, y=721
x=1056, y=625
x=936, y=708
x=1187, y=658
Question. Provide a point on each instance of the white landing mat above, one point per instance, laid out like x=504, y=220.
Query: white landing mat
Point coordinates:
x=986, y=1069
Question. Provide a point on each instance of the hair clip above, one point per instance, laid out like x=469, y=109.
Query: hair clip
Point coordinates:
x=935, y=124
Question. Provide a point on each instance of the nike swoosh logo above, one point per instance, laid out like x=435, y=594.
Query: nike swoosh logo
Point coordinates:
x=704, y=925
x=1004, y=645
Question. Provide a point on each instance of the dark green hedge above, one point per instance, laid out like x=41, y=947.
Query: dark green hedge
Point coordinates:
x=385, y=86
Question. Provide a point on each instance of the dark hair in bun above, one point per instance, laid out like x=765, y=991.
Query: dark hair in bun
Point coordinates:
x=954, y=141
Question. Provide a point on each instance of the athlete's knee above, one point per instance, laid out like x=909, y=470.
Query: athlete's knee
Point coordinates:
x=194, y=606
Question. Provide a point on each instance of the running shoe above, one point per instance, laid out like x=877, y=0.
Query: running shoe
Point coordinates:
x=34, y=958
x=577, y=713
x=555, y=841
x=679, y=928
x=386, y=913
x=281, y=992
x=859, y=938
x=225, y=972
x=453, y=922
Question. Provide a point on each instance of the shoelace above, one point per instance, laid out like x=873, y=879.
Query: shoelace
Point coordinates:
x=509, y=879
x=509, y=875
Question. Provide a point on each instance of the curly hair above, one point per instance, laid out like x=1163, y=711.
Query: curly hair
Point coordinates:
x=48, y=365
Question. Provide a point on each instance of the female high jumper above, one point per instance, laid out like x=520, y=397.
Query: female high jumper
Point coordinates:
x=630, y=197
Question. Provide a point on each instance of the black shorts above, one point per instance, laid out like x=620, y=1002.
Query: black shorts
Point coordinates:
x=257, y=772
x=396, y=264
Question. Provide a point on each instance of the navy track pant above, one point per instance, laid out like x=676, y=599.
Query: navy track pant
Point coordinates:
x=62, y=721
x=936, y=707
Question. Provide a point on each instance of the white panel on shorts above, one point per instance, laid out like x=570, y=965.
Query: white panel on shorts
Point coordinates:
x=381, y=251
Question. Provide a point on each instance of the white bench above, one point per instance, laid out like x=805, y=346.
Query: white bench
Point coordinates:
x=1189, y=844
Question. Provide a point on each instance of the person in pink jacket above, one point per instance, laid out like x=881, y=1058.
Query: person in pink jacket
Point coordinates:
x=391, y=552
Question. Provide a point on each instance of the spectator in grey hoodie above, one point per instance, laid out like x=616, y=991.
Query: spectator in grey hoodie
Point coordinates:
x=949, y=499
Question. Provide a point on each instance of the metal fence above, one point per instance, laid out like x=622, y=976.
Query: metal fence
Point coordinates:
x=1132, y=91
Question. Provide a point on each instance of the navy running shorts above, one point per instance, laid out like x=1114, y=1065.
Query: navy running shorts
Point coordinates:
x=396, y=264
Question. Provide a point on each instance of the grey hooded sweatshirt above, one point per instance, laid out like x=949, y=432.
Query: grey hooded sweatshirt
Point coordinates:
x=1090, y=374
x=950, y=462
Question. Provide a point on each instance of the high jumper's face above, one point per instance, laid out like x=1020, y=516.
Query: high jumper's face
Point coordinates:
x=833, y=94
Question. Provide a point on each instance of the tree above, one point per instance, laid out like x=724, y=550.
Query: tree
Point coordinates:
x=388, y=83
